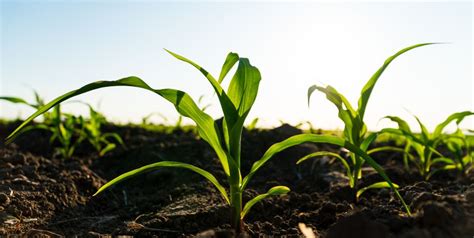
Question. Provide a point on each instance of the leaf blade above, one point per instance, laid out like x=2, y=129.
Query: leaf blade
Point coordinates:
x=369, y=86
x=274, y=191
x=173, y=164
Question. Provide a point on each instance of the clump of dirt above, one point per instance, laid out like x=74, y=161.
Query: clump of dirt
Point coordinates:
x=33, y=188
x=44, y=195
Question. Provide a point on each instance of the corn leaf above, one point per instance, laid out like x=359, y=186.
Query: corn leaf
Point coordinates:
x=425, y=134
x=459, y=116
x=107, y=148
x=442, y=160
x=230, y=61
x=277, y=190
x=181, y=100
x=345, y=111
x=327, y=153
x=367, y=141
x=404, y=133
x=369, y=86
x=16, y=100
x=402, y=124
x=390, y=148
x=114, y=136
x=373, y=186
x=292, y=141
x=303, y=138
x=174, y=164
x=243, y=87
x=253, y=124
x=228, y=108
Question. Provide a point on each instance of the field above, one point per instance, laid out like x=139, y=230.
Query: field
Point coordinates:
x=70, y=174
x=41, y=194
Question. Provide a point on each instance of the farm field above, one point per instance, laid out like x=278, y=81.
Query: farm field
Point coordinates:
x=82, y=175
x=45, y=195
x=236, y=119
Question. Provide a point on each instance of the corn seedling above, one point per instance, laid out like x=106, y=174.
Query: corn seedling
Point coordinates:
x=460, y=148
x=146, y=119
x=310, y=129
x=63, y=127
x=67, y=129
x=253, y=124
x=425, y=144
x=102, y=142
x=235, y=103
x=355, y=130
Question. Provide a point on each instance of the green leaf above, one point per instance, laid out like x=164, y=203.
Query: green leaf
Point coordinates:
x=292, y=141
x=327, y=153
x=424, y=132
x=442, y=160
x=310, y=92
x=390, y=148
x=303, y=138
x=373, y=186
x=253, y=124
x=181, y=100
x=115, y=136
x=402, y=125
x=106, y=149
x=352, y=126
x=16, y=100
x=242, y=92
x=228, y=108
x=408, y=135
x=217, y=87
x=243, y=87
x=369, y=86
x=335, y=97
x=174, y=164
x=277, y=190
x=230, y=61
x=458, y=116
x=367, y=141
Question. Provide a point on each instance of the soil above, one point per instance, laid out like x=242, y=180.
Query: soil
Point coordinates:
x=43, y=195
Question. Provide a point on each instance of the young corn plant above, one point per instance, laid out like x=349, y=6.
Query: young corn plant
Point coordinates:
x=355, y=130
x=65, y=128
x=253, y=124
x=461, y=149
x=224, y=138
x=425, y=144
x=102, y=142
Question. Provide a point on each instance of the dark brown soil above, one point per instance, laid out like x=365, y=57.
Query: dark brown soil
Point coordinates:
x=43, y=195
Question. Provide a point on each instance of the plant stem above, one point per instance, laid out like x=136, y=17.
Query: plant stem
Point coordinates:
x=236, y=208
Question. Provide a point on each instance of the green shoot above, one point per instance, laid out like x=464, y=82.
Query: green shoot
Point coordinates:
x=102, y=142
x=64, y=128
x=355, y=130
x=460, y=148
x=253, y=124
x=311, y=128
x=373, y=186
x=67, y=130
x=425, y=144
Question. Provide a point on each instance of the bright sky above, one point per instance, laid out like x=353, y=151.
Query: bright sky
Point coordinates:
x=55, y=47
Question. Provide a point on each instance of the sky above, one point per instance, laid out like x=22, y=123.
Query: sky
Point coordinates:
x=57, y=46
